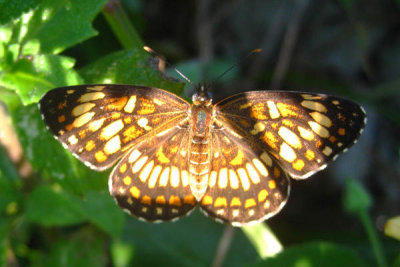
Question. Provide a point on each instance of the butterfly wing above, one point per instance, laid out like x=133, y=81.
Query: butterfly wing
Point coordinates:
x=152, y=181
x=100, y=123
x=242, y=188
x=302, y=131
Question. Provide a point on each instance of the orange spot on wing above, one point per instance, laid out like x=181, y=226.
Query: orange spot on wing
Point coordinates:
x=250, y=202
x=61, y=118
x=175, y=201
x=220, y=201
x=146, y=200
x=90, y=145
x=160, y=200
x=189, y=199
x=135, y=192
x=117, y=103
x=207, y=200
x=235, y=202
x=100, y=156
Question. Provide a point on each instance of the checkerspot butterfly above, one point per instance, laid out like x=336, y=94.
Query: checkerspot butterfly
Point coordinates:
x=232, y=159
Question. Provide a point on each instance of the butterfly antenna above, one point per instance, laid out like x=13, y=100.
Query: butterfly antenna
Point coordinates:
x=154, y=53
x=240, y=62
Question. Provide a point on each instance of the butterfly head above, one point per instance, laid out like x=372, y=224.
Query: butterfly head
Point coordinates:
x=202, y=97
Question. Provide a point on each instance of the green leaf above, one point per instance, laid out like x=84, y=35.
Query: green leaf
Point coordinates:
x=121, y=254
x=356, y=199
x=11, y=9
x=58, y=24
x=313, y=254
x=83, y=248
x=102, y=211
x=49, y=157
x=190, y=241
x=128, y=67
x=3, y=241
x=49, y=207
x=263, y=239
x=30, y=78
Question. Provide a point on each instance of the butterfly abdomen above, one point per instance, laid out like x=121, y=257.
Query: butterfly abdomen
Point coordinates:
x=199, y=157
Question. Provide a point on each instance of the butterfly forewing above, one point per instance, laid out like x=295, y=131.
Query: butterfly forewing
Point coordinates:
x=245, y=185
x=100, y=123
x=152, y=180
x=302, y=131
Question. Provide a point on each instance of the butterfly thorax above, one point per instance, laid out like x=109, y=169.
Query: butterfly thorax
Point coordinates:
x=202, y=116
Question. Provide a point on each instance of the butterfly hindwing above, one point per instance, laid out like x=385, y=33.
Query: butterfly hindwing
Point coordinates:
x=152, y=181
x=246, y=186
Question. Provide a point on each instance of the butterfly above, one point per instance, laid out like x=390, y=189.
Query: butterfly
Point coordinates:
x=233, y=159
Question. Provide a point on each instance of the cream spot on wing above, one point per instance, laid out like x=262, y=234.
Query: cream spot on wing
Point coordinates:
x=72, y=140
x=321, y=119
x=113, y=145
x=139, y=164
x=314, y=106
x=244, y=106
x=255, y=178
x=266, y=159
x=130, y=105
x=134, y=156
x=142, y=122
x=83, y=119
x=258, y=127
x=164, y=177
x=213, y=179
x=185, y=178
x=111, y=129
x=235, y=213
x=96, y=87
x=290, y=137
x=319, y=129
x=273, y=111
x=91, y=96
x=82, y=108
x=154, y=176
x=144, y=174
x=95, y=125
x=287, y=153
x=234, y=181
x=175, y=177
x=260, y=166
x=244, y=179
x=327, y=151
x=305, y=134
x=158, y=102
x=223, y=178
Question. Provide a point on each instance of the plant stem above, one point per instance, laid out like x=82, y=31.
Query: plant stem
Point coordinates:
x=121, y=25
x=373, y=238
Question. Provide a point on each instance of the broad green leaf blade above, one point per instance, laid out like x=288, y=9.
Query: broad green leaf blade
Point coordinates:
x=313, y=254
x=263, y=239
x=392, y=227
x=128, y=67
x=102, y=211
x=49, y=157
x=31, y=78
x=82, y=248
x=58, y=25
x=49, y=207
x=190, y=241
x=11, y=9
